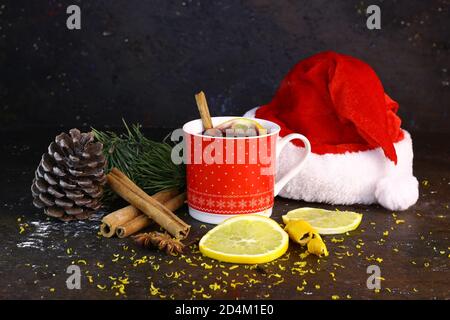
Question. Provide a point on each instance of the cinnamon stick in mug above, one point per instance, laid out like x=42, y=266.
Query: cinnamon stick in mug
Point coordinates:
x=203, y=109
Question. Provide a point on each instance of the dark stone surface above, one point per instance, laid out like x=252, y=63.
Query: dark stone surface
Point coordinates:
x=33, y=262
x=144, y=60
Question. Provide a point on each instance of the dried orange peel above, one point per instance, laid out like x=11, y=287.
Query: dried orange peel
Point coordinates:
x=303, y=233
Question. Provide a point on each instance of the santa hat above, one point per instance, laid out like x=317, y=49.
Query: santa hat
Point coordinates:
x=359, y=152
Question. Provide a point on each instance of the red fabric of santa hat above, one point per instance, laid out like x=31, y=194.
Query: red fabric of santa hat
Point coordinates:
x=359, y=152
x=339, y=103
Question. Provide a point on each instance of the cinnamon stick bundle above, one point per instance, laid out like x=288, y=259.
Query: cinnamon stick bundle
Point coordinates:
x=142, y=221
x=112, y=221
x=156, y=211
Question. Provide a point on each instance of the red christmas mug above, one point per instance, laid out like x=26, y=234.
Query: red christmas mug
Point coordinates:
x=228, y=176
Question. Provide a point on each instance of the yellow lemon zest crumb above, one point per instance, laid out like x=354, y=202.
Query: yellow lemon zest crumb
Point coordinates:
x=124, y=280
x=154, y=290
x=277, y=275
x=214, y=286
x=235, y=284
x=278, y=282
x=304, y=255
x=206, y=266
x=301, y=264
x=334, y=240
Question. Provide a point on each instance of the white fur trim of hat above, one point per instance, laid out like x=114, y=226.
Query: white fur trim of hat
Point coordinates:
x=364, y=177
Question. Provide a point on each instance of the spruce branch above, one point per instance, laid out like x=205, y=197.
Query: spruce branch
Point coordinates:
x=148, y=163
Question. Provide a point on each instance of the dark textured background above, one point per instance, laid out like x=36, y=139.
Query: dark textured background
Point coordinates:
x=144, y=60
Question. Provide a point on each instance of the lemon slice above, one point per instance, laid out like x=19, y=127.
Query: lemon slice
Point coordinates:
x=246, y=239
x=326, y=221
x=240, y=123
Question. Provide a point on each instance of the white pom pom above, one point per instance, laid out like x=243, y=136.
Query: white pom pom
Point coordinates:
x=397, y=192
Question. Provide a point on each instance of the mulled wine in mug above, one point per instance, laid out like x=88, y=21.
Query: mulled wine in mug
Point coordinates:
x=232, y=173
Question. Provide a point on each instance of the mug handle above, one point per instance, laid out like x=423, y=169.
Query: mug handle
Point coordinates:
x=294, y=171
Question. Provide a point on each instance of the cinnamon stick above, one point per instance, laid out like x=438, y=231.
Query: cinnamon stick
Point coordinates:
x=129, y=191
x=142, y=221
x=133, y=226
x=112, y=221
x=203, y=109
x=115, y=219
x=176, y=202
x=165, y=195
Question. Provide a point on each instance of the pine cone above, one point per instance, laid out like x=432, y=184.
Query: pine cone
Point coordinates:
x=69, y=180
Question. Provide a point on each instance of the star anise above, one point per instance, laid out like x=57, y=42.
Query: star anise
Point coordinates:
x=162, y=241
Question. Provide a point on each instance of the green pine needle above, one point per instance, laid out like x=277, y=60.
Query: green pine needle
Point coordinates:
x=146, y=162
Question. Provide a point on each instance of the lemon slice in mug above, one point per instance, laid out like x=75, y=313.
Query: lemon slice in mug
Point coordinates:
x=326, y=221
x=246, y=239
x=241, y=127
x=240, y=123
